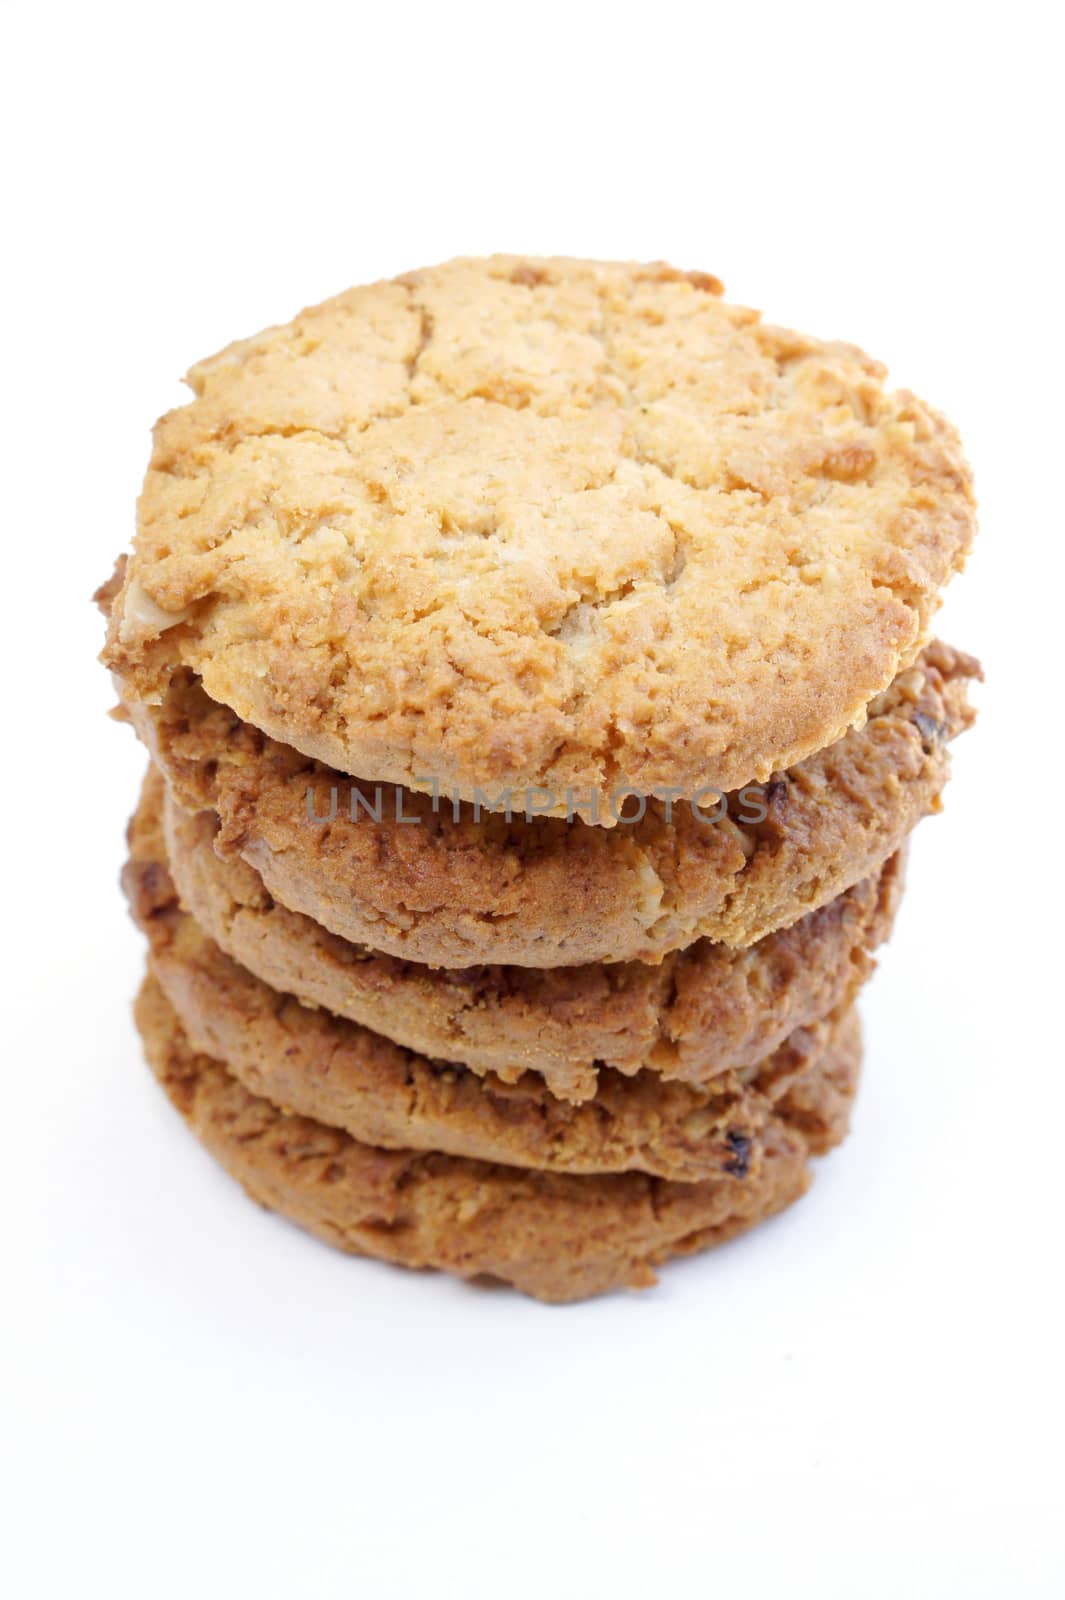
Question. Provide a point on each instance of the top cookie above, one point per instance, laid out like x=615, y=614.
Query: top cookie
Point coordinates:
x=541, y=523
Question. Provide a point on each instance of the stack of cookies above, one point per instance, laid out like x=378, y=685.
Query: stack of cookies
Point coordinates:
x=534, y=658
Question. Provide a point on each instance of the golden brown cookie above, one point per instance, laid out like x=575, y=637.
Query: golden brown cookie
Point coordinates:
x=547, y=523
x=705, y=1010
x=339, y=1073
x=554, y=1236
x=461, y=890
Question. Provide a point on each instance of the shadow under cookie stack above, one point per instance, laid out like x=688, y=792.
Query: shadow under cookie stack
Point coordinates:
x=534, y=658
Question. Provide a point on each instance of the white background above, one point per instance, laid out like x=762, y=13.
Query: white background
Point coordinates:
x=864, y=1397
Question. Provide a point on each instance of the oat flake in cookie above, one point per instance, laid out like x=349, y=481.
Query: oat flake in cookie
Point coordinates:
x=554, y=523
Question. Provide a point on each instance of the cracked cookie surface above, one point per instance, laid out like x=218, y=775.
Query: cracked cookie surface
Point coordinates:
x=547, y=523
x=456, y=890
x=325, y=1067
x=701, y=1012
x=554, y=1236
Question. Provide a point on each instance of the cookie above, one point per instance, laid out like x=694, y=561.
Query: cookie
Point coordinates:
x=705, y=1010
x=560, y=525
x=325, y=1067
x=454, y=889
x=554, y=1236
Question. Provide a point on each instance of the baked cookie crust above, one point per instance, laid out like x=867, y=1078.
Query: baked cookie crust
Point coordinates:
x=330, y=1069
x=556, y=1237
x=455, y=890
x=703, y=1011
x=562, y=525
